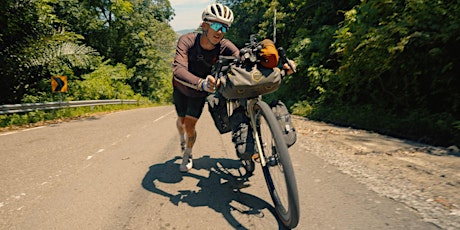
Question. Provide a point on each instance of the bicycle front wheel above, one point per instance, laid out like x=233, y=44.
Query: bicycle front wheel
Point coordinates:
x=278, y=171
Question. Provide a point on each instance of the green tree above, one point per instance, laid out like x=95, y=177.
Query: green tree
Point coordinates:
x=65, y=38
x=106, y=82
x=30, y=57
x=401, y=56
x=133, y=32
x=15, y=77
x=147, y=45
x=306, y=30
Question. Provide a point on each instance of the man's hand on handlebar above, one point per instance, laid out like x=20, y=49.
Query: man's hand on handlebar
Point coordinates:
x=209, y=84
x=287, y=67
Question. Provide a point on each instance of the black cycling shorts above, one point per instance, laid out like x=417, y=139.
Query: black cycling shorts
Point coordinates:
x=191, y=106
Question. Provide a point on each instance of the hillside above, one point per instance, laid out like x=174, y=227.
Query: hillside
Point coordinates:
x=180, y=32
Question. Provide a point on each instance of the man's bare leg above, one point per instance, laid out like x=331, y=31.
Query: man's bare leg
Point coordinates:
x=189, y=124
x=181, y=128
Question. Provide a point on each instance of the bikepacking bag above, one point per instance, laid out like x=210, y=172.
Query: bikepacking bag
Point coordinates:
x=217, y=106
x=268, y=54
x=242, y=134
x=249, y=81
x=284, y=118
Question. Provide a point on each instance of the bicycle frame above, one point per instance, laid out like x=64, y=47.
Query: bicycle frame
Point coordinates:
x=225, y=61
x=287, y=209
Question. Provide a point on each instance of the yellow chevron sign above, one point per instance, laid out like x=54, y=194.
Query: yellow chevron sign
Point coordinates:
x=59, y=83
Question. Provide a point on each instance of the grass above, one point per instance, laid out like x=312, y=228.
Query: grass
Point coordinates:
x=41, y=117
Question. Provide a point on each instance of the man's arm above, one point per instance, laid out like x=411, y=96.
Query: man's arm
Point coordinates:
x=180, y=63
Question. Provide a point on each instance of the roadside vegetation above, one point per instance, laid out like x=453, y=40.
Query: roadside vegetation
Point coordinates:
x=387, y=66
x=37, y=118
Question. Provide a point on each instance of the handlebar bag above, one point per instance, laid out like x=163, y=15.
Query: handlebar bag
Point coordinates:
x=249, y=81
x=269, y=56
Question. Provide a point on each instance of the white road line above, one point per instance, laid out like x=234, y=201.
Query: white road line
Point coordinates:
x=98, y=151
x=39, y=127
x=8, y=133
x=163, y=116
x=24, y=130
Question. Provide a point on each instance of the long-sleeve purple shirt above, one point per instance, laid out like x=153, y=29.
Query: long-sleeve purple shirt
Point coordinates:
x=192, y=62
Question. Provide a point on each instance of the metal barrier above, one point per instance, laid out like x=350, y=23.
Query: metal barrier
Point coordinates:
x=29, y=107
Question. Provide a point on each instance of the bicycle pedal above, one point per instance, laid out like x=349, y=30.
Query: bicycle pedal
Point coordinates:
x=256, y=157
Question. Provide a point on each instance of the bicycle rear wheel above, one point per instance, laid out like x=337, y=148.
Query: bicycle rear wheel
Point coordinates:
x=278, y=171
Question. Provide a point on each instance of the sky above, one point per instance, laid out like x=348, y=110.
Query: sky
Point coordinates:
x=188, y=13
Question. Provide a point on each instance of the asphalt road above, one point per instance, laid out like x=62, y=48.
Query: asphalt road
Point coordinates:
x=121, y=171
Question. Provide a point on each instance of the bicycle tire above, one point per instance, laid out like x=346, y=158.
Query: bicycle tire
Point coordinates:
x=282, y=188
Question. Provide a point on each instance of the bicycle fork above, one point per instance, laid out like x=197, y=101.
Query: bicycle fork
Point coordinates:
x=255, y=132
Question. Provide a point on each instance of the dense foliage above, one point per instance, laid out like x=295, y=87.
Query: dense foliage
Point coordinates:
x=391, y=66
x=106, y=48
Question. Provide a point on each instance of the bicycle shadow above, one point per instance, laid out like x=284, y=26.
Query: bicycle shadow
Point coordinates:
x=219, y=191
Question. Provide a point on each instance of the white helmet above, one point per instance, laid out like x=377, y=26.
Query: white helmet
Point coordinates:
x=218, y=13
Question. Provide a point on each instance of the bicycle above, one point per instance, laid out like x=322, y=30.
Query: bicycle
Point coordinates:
x=270, y=146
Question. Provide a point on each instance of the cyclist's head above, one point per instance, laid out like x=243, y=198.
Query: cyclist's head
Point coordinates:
x=217, y=12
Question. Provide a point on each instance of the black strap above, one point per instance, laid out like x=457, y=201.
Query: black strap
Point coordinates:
x=199, y=53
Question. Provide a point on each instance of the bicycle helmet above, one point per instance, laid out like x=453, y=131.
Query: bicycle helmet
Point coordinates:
x=218, y=13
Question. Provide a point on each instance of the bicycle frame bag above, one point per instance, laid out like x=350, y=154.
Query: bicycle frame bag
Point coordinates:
x=242, y=134
x=284, y=118
x=249, y=81
x=217, y=106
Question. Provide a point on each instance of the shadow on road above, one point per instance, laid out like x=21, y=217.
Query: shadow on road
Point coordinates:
x=219, y=191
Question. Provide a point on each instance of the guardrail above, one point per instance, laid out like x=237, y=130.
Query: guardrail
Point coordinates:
x=29, y=107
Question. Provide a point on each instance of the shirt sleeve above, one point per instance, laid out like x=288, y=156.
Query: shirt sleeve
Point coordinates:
x=229, y=49
x=180, y=63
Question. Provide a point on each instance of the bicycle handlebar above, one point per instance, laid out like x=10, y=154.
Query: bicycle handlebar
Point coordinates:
x=249, y=53
x=222, y=62
x=285, y=59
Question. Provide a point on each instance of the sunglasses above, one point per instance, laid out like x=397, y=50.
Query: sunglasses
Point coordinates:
x=216, y=26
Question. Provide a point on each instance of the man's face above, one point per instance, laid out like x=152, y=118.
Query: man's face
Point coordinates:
x=216, y=31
